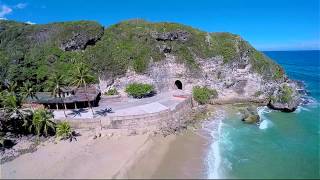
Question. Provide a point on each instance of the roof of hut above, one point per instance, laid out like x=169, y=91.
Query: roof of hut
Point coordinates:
x=80, y=96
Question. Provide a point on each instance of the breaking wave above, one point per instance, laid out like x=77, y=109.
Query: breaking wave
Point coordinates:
x=214, y=154
x=265, y=122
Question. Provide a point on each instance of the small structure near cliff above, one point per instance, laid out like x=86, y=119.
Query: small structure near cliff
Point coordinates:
x=68, y=98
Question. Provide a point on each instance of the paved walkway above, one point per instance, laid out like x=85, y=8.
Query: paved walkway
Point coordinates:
x=127, y=106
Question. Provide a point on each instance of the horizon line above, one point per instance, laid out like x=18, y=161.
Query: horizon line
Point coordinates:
x=291, y=50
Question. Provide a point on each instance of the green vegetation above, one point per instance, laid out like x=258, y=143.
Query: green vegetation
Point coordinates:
x=34, y=52
x=258, y=93
x=224, y=44
x=81, y=77
x=21, y=121
x=64, y=131
x=203, y=94
x=265, y=66
x=42, y=122
x=139, y=90
x=111, y=92
x=286, y=94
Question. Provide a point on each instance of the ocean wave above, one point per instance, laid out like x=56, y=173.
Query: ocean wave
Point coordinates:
x=265, y=122
x=214, y=156
x=301, y=108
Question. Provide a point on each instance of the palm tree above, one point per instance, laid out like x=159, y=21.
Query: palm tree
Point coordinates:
x=27, y=91
x=81, y=78
x=42, y=122
x=55, y=82
x=12, y=106
x=12, y=87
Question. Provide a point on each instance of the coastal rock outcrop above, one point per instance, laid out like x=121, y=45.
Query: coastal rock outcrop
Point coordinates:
x=286, y=98
x=250, y=115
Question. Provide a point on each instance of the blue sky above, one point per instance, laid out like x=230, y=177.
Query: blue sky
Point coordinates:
x=266, y=24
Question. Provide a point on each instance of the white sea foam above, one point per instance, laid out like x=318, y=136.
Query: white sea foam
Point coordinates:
x=214, y=155
x=265, y=122
x=300, y=108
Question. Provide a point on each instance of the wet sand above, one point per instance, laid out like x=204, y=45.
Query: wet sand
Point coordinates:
x=182, y=156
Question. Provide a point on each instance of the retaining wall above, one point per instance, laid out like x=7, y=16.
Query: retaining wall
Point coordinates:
x=150, y=121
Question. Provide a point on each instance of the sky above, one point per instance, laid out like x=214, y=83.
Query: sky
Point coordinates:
x=266, y=24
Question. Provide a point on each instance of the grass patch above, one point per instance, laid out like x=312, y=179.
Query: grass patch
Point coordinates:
x=203, y=94
x=111, y=92
x=139, y=90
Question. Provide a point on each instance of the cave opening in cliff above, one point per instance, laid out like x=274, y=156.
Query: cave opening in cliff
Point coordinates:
x=178, y=84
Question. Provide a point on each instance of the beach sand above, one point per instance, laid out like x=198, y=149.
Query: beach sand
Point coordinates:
x=120, y=156
x=180, y=157
x=139, y=156
x=103, y=157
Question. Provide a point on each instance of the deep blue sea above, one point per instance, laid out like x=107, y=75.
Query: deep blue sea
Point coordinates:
x=285, y=145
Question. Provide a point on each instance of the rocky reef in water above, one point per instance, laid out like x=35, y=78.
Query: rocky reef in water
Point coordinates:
x=139, y=51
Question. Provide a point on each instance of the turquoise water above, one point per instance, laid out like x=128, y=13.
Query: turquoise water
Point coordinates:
x=285, y=145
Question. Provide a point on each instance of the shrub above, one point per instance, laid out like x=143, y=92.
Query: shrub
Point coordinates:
x=64, y=130
x=140, y=90
x=203, y=94
x=111, y=92
x=258, y=93
x=286, y=94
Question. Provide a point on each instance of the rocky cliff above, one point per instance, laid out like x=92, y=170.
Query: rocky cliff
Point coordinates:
x=158, y=53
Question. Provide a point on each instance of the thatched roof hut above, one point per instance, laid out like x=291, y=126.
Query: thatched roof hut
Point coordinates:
x=69, y=96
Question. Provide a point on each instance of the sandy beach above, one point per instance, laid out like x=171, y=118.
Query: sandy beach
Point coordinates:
x=104, y=157
x=120, y=156
x=117, y=155
x=183, y=158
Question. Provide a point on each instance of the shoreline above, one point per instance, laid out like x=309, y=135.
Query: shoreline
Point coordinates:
x=147, y=151
x=188, y=153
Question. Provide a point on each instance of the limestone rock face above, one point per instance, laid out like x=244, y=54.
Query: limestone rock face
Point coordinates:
x=171, y=36
x=79, y=42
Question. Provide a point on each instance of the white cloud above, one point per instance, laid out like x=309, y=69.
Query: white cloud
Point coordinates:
x=29, y=22
x=3, y=18
x=20, y=5
x=4, y=10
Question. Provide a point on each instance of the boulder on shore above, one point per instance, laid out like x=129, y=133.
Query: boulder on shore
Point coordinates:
x=251, y=119
x=250, y=115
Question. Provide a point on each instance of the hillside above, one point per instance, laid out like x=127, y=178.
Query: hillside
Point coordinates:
x=41, y=49
x=220, y=60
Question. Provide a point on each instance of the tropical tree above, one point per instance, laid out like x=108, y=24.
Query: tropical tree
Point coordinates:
x=81, y=78
x=15, y=115
x=42, y=122
x=64, y=131
x=55, y=82
x=12, y=87
x=26, y=91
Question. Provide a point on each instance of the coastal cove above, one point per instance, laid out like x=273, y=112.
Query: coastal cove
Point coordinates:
x=284, y=145
x=142, y=99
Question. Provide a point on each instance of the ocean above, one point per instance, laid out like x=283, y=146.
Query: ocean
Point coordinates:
x=284, y=145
